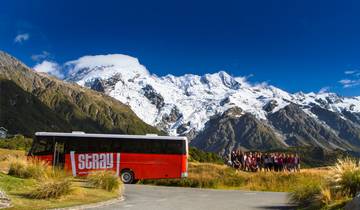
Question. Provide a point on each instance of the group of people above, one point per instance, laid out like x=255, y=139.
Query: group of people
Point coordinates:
x=258, y=161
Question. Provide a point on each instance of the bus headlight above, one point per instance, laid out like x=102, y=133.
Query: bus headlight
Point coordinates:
x=184, y=175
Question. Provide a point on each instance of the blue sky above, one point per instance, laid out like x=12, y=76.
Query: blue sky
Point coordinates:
x=294, y=45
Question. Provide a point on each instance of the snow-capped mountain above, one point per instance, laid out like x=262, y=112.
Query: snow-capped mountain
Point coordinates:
x=192, y=98
x=182, y=105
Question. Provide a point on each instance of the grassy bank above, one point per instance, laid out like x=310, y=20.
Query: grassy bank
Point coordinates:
x=219, y=176
x=18, y=189
x=21, y=190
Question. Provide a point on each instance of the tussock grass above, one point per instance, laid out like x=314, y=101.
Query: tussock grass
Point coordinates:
x=54, y=188
x=345, y=176
x=106, y=180
x=341, y=184
x=29, y=168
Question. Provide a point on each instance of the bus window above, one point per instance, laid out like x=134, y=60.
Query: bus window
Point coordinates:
x=174, y=147
x=42, y=147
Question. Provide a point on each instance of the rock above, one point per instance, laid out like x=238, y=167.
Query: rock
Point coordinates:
x=270, y=105
x=5, y=201
x=354, y=204
x=154, y=97
x=173, y=116
x=98, y=85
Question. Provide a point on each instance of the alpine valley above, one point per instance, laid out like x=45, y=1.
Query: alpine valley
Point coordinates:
x=217, y=112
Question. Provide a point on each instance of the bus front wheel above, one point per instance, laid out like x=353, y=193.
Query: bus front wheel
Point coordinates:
x=127, y=176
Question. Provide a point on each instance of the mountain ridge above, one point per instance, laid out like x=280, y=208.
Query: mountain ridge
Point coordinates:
x=71, y=106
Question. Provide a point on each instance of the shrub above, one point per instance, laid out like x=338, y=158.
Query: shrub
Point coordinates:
x=18, y=142
x=32, y=168
x=53, y=188
x=305, y=195
x=345, y=176
x=343, y=182
x=17, y=167
x=106, y=180
x=201, y=156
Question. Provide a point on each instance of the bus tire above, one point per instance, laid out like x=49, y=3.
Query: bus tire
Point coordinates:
x=127, y=176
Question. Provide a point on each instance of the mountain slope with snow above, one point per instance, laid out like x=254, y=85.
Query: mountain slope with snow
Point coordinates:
x=182, y=105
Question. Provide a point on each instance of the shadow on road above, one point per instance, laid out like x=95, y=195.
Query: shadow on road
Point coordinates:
x=277, y=207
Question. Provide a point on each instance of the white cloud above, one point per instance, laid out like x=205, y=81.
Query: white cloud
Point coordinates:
x=39, y=57
x=324, y=89
x=348, y=72
x=350, y=82
x=21, y=38
x=49, y=67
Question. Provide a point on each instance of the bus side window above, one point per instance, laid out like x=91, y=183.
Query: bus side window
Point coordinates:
x=43, y=147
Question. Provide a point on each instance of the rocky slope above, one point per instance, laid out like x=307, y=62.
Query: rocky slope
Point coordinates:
x=33, y=102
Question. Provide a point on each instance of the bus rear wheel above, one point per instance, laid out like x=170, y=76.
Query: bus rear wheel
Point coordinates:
x=127, y=177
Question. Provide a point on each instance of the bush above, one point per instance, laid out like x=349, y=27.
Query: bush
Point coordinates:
x=106, y=180
x=305, y=195
x=32, y=168
x=201, y=156
x=18, y=142
x=345, y=176
x=18, y=167
x=343, y=182
x=53, y=188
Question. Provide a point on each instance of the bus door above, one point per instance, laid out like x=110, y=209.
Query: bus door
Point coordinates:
x=59, y=154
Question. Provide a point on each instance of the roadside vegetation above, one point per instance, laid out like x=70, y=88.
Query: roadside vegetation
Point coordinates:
x=32, y=184
x=340, y=186
x=106, y=180
x=220, y=176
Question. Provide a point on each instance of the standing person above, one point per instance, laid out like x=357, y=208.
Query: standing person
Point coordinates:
x=246, y=155
x=236, y=161
x=254, y=164
x=239, y=159
x=242, y=160
x=297, y=162
x=262, y=161
x=232, y=158
x=281, y=162
x=248, y=162
x=271, y=162
x=258, y=161
x=267, y=162
x=292, y=162
x=276, y=162
x=287, y=162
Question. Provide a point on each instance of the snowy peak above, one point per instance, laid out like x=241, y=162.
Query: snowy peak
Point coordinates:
x=104, y=67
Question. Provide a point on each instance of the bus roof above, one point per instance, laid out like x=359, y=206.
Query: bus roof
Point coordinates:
x=98, y=135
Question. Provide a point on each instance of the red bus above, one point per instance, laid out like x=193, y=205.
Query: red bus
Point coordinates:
x=132, y=157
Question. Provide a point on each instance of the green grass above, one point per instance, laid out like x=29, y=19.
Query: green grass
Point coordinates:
x=18, y=190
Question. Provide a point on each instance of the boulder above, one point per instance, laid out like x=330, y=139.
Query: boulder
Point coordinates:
x=5, y=201
x=354, y=204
